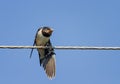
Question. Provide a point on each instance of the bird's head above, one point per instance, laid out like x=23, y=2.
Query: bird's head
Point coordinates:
x=47, y=31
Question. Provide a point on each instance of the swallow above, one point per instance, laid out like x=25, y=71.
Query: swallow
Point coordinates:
x=46, y=55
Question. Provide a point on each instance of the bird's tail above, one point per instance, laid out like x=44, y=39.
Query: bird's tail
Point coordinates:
x=50, y=67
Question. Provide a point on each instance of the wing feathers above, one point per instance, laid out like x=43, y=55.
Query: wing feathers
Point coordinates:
x=50, y=67
x=32, y=50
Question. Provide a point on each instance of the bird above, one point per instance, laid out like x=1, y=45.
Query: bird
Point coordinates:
x=47, y=55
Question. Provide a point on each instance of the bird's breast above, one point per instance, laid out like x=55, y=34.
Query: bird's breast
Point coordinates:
x=41, y=40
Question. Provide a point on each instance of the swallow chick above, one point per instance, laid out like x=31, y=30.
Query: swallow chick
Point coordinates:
x=47, y=55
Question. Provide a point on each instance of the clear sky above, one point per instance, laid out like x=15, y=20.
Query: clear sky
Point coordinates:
x=75, y=22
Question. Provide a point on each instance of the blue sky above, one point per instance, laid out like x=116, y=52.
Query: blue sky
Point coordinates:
x=75, y=22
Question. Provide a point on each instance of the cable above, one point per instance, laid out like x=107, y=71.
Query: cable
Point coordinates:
x=63, y=47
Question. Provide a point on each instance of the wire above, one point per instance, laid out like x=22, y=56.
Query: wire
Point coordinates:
x=62, y=47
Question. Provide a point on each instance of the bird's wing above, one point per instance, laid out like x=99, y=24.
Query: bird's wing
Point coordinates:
x=32, y=49
x=48, y=53
x=34, y=43
x=49, y=65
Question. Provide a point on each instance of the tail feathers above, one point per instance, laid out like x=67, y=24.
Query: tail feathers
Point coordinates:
x=50, y=67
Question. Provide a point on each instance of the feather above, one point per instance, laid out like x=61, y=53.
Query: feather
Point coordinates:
x=50, y=67
x=34, y=43
x=32, y=50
